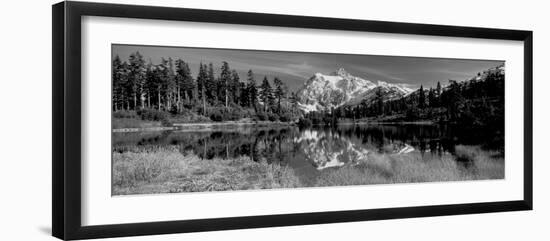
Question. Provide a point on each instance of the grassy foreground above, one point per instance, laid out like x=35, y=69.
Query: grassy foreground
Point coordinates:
x=473, y=164
x=166, y=170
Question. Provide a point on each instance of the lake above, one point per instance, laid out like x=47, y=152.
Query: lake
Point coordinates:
x=387, y=153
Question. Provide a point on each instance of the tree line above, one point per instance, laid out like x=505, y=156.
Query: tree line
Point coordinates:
x=170, y=87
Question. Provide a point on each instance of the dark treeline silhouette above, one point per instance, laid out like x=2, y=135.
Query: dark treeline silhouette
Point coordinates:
x=169, y=87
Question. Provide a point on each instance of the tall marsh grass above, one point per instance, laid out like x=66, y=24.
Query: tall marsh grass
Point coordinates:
x=132, y=168
x=470, y=163
x=166, y=170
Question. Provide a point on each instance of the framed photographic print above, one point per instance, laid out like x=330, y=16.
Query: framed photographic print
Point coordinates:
x=170, y=120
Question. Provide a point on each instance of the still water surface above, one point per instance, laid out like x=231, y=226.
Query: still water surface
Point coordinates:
x=310, y=151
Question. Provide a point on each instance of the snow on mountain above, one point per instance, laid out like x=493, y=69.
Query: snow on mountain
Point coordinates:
x=322, y=149
x=329, y=150
x=324, y=92
x=498, y=69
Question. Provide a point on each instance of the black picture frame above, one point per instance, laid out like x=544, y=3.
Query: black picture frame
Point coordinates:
x=66, y=128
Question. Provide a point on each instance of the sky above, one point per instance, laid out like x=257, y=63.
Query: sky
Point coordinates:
x=294, y=68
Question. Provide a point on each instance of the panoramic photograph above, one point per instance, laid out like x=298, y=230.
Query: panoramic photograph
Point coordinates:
x=206, y=120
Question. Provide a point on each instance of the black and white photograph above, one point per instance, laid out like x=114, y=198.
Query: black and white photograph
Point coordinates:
x=204, y=119
x=275, y=120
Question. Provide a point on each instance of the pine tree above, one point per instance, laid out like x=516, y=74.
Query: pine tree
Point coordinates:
x=136, y=78
x=185, y=83
x=120, y=77
x=225, y=80
x=235, y=87
x=421, y=98
x=438, y=94
x=244, y=98
x=279, y=93
x=211, y=85
x=252, y=90
x=431, y=97
x=266, y=93
x=202, y=78
x=162, y=80
x=379, y=102
x=151, y=83
x=170, y=87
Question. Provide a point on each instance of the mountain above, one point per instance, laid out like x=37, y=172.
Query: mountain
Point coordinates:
x=324, y=92
x=500, y=69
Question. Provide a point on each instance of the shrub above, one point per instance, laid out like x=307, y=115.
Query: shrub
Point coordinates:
x=216, y=115
x=236, y=114
x=173, y=110
x=272, y=117
x=166, y=122
x=124, y=114
x=284, y=118
x=304, y=122
x=152, y=115
x=262, y=116
x=412, y=114
x=222, y=113
x=316, y=120
x=187, y=116
x=118, y=123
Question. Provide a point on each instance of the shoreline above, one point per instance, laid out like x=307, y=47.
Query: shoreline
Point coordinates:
x=396, y=122
x=206, y=126
x=209, y=126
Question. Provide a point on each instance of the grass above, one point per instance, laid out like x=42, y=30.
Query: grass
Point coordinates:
x=486, y=164
x=147, y=118
x=166, y=170
x=119, y=123
x=132, y=168
x=384, y=169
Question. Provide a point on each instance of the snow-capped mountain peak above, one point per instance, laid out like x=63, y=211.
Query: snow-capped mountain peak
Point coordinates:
x=326, y=92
